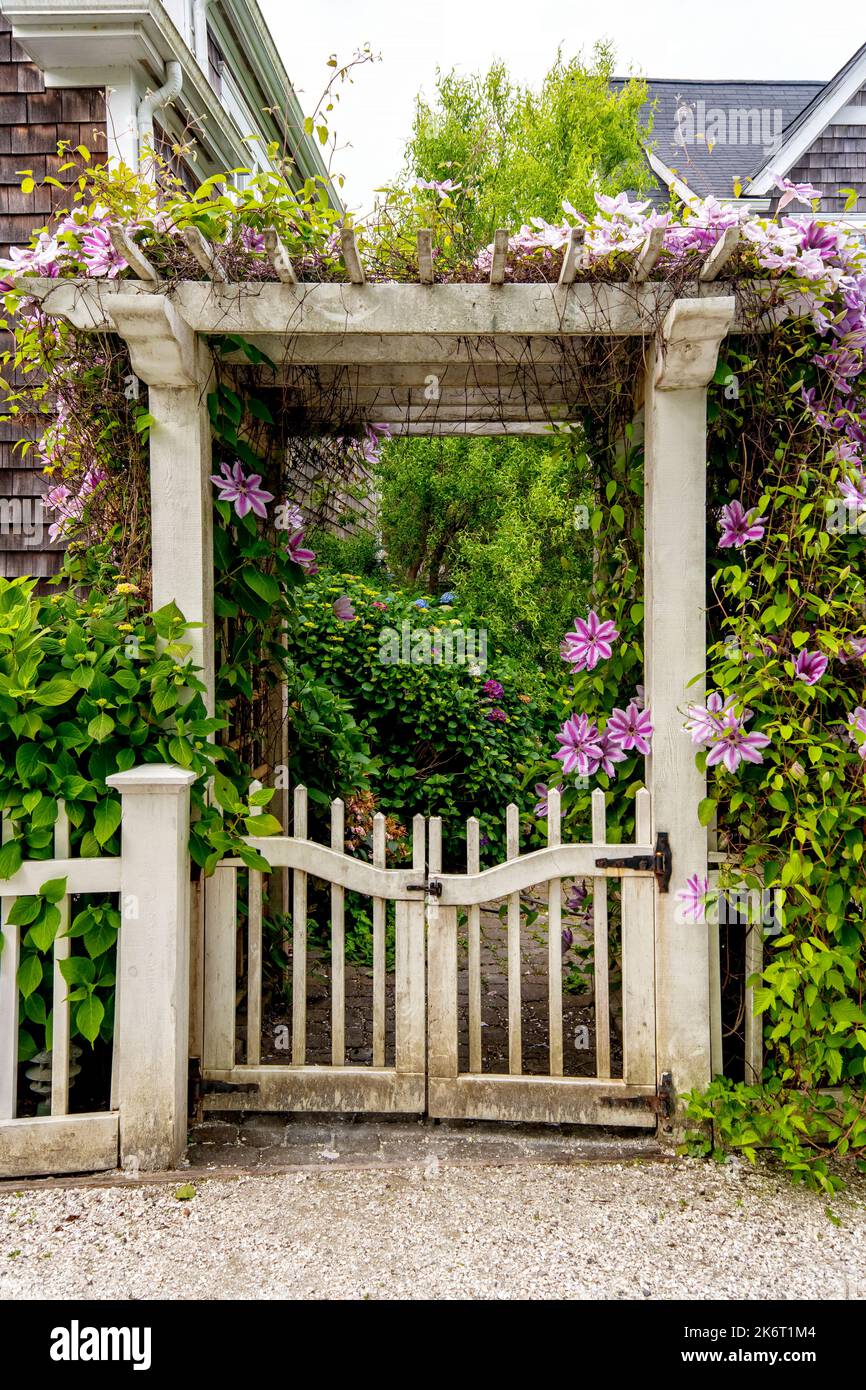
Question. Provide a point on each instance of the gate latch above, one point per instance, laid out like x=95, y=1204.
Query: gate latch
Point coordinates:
x=660, y=864
x=432, y=886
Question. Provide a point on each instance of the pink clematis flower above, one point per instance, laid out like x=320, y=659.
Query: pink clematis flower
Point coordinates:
x=581, y=750
x=611, y=752
x=810, y=667
x=795, y=192
x=705, y=722
x=631, y=728
x=244, y=490
x=343, y=609
x=99, y=255
x=590, y=642
x=856, y=728
x=299, y=555
x=734, y=745
x=693, y=898
x=738, y=526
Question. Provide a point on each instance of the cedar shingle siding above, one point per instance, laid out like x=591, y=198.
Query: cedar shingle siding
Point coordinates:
x=836, y=160
x=32, y=123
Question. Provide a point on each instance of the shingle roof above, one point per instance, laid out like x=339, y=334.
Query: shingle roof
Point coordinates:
x=713, y=132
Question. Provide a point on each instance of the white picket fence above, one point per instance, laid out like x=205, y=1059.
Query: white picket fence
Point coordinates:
x=145, y=1126
x=424, y=1075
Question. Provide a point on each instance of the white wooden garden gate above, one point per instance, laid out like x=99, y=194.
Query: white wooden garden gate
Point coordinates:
x=431, y=907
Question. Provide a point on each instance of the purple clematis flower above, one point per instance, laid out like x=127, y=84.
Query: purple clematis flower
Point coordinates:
x=589, y=643
x=795, y=192
x=810, y=667
x=734, y=746
x=581, y=750
x=631, y=728
x=856, y=727
x=611, y=752
x=693, y=898
x=577, y=897
x=707, y=721
x=738, y=526
x=343, y=609
x=567, y=939
x=299, y=555
x=244, y=490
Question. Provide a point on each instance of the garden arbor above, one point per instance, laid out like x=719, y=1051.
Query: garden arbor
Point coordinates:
x=462, y=358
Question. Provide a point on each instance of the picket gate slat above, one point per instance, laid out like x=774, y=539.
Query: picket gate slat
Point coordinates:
x=410, y=1001
x=638, y=965
x=379, y=975
x=338, y=942
x=601, y=956
x=254, y=967
x=299, y=939
x=515, y=1022
x=9, y=961
x=473, y=962
x=60, y=1034
x=554, y=941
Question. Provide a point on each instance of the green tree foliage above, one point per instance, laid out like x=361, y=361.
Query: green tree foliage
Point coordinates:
x=500, y=521
x=517, y=152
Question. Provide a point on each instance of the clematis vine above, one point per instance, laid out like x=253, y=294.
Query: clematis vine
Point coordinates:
x=343, y=609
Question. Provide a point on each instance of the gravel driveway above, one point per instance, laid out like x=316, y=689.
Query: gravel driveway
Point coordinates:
x=639, y=1230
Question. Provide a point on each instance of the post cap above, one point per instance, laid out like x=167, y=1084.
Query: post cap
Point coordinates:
x=151, y=778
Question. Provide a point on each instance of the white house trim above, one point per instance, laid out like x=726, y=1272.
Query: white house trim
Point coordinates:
x=832, y=105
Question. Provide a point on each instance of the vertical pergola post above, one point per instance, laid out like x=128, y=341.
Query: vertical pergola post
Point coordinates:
x=678, y=372
x=176, y=368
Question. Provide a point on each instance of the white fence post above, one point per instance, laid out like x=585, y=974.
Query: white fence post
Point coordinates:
x=675, y=640
x=152, y=1022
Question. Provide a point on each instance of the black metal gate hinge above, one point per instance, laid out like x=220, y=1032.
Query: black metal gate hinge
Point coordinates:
x=660, y=863
x=432, y=886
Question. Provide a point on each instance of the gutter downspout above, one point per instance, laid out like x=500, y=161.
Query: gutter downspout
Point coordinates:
x=155, y=101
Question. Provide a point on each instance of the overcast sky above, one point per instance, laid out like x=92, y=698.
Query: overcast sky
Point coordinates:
x=658, y=38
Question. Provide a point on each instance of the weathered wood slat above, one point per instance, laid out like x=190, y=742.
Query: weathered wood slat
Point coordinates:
x=58, y=1144
x=409, y=982
x=204, y=255
x=648, y=255
x=500, y=255
x=638, y=982
x=220, y=950
x=425, y=256
x=254, y=968
x=720, y=255
x=132, y=254
x=337, y=1090
x=279, y=258
x=601, y=958
x=515, y=1024
x=338, y=942
x=82, y=876
x=473, y=866
x=299, y=939
x=351, y=256
x=554, y=941
x=754, y=1026
x=379, y=916
x=441, y=970
x=572, y=260
x=565, y=861
x=9, y=961
x=60, y=1033
x=542, y=1100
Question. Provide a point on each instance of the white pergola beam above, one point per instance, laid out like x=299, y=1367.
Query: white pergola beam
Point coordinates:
x=132, y=254
x=648, y=256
